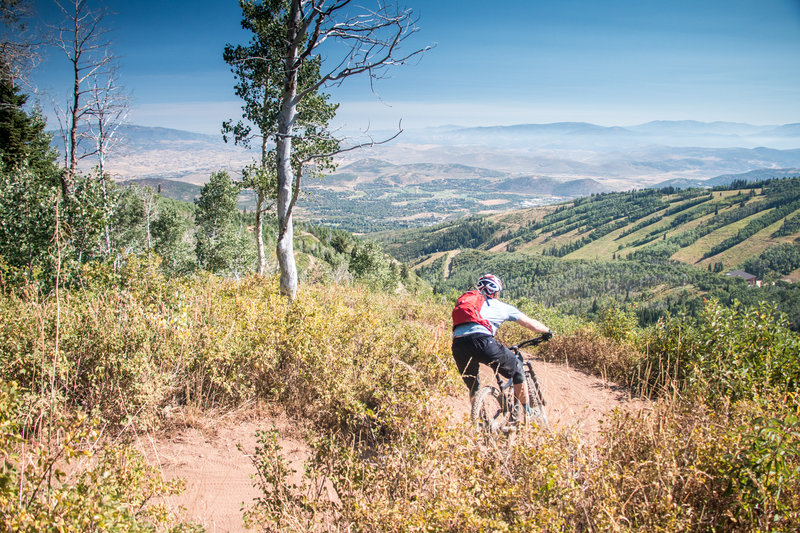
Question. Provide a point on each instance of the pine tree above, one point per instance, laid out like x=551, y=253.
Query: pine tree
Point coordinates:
x=23, y=139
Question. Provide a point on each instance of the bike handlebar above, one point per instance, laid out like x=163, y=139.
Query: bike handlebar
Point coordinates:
x=534, y=342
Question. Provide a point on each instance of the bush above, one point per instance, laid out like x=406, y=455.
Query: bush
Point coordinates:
x=731, y=353
x=133, y=342
x=594, y=353
x=371, y=371
x=687, y=467
x=72, y=480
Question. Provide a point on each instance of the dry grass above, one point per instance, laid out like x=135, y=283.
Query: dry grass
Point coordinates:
x=593, y=353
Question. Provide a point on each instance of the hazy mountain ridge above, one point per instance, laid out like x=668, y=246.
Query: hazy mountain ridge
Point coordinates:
x=684, y=133
x=550, y=187
x=727, y=179
x=623, y=157
x=407, y=183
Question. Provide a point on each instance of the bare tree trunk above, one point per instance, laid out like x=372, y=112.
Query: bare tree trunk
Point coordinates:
x=107, y=229
x=262, y=260
x=285, y=252
x=68, y=177
x=148, y=209
x=285, y=247
x=101, y=168
x=73, y=123
x=288, y=113
x=260, y=200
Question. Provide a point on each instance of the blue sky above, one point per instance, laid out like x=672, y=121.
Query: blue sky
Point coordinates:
x=534, y=61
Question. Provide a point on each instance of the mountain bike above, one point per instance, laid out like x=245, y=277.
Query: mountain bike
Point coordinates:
x=493, y=405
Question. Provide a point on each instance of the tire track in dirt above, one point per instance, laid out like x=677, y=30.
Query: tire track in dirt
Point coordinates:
x=219, y=475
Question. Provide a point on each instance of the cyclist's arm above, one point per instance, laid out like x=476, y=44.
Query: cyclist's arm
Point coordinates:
x=532, y=324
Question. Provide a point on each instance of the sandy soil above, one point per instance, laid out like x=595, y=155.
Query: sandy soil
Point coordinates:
x=218, y=474
x=213, y=457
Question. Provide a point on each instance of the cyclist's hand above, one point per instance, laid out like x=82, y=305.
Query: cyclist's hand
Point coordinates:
x=548, y=335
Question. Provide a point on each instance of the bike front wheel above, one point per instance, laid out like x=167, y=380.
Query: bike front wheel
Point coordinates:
x=535, y=396
x=490, y=413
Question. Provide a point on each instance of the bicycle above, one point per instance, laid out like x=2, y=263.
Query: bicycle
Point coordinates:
x=492, y=405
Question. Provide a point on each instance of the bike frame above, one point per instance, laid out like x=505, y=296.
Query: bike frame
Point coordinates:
x=505, y=394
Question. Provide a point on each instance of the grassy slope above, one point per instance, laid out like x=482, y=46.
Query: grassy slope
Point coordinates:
x=693, y=253
x=752, y=247
x=367, y=370
x=612, y=243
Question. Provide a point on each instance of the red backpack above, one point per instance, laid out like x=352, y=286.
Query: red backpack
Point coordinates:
x=468, y=309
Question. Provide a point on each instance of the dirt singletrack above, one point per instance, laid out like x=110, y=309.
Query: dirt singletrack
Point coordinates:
x=218, y=473
x=574, y=398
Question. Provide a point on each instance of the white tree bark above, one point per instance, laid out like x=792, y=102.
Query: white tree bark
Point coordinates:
x=371, y=39
x=259, y=229
x=288, y=115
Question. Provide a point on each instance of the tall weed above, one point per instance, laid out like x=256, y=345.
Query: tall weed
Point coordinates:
x=132, y=342
x=686, y=466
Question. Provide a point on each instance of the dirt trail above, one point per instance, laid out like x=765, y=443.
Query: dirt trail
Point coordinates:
x=218, y=474
x=574, y=398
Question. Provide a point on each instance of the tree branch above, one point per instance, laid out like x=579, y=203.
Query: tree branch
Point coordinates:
x=370, y=143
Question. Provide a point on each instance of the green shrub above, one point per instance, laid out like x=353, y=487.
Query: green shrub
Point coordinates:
x=133, y=342
x=733, y=353
x=685, y=466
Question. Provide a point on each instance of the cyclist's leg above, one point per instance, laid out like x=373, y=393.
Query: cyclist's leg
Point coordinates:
x=464, y=354
x=505, y=363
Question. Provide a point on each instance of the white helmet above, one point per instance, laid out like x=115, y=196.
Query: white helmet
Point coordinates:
x=489, y=284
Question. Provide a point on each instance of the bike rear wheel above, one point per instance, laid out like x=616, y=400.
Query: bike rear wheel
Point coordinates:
x=490, y=413
x=535, y=396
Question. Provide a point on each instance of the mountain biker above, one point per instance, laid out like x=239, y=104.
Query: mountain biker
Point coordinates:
x=474, y=343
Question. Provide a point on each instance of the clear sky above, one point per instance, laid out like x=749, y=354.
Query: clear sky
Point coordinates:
x=609, y=62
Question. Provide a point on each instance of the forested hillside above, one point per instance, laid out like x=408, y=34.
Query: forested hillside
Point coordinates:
x=656, y=249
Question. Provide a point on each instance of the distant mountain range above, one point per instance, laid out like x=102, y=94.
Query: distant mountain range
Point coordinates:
x=162, y=153
x=561, y=159
x=582, y=135
x=405, y=184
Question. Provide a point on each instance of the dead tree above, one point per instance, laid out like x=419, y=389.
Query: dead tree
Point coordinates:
x=107, y=110
x=84, y=41
x=19, y=43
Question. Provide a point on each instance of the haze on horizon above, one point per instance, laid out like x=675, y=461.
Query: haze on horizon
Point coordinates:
x=617, y=63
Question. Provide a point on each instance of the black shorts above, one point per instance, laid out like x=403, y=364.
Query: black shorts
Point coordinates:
x=470, y=351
